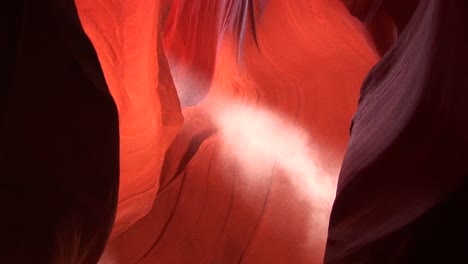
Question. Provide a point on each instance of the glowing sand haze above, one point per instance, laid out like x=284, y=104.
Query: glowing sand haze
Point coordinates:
x=264, y=141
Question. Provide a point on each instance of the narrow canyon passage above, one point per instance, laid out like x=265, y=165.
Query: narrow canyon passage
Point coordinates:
x=251, y=176
x=234, y=131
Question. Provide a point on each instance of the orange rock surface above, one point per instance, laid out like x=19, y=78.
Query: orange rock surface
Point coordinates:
x=267, y=92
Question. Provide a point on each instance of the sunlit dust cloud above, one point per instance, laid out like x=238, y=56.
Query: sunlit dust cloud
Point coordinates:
x=264, y=141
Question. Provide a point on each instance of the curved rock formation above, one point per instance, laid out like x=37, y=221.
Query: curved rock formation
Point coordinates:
x=214, y=131
x=251, y=176
x=402, y=186
x=60, y=141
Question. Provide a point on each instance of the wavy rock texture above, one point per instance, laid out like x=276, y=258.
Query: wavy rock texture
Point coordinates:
x=126, y=38
x=251, y=176
x=402, y=186
x=223, y=125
